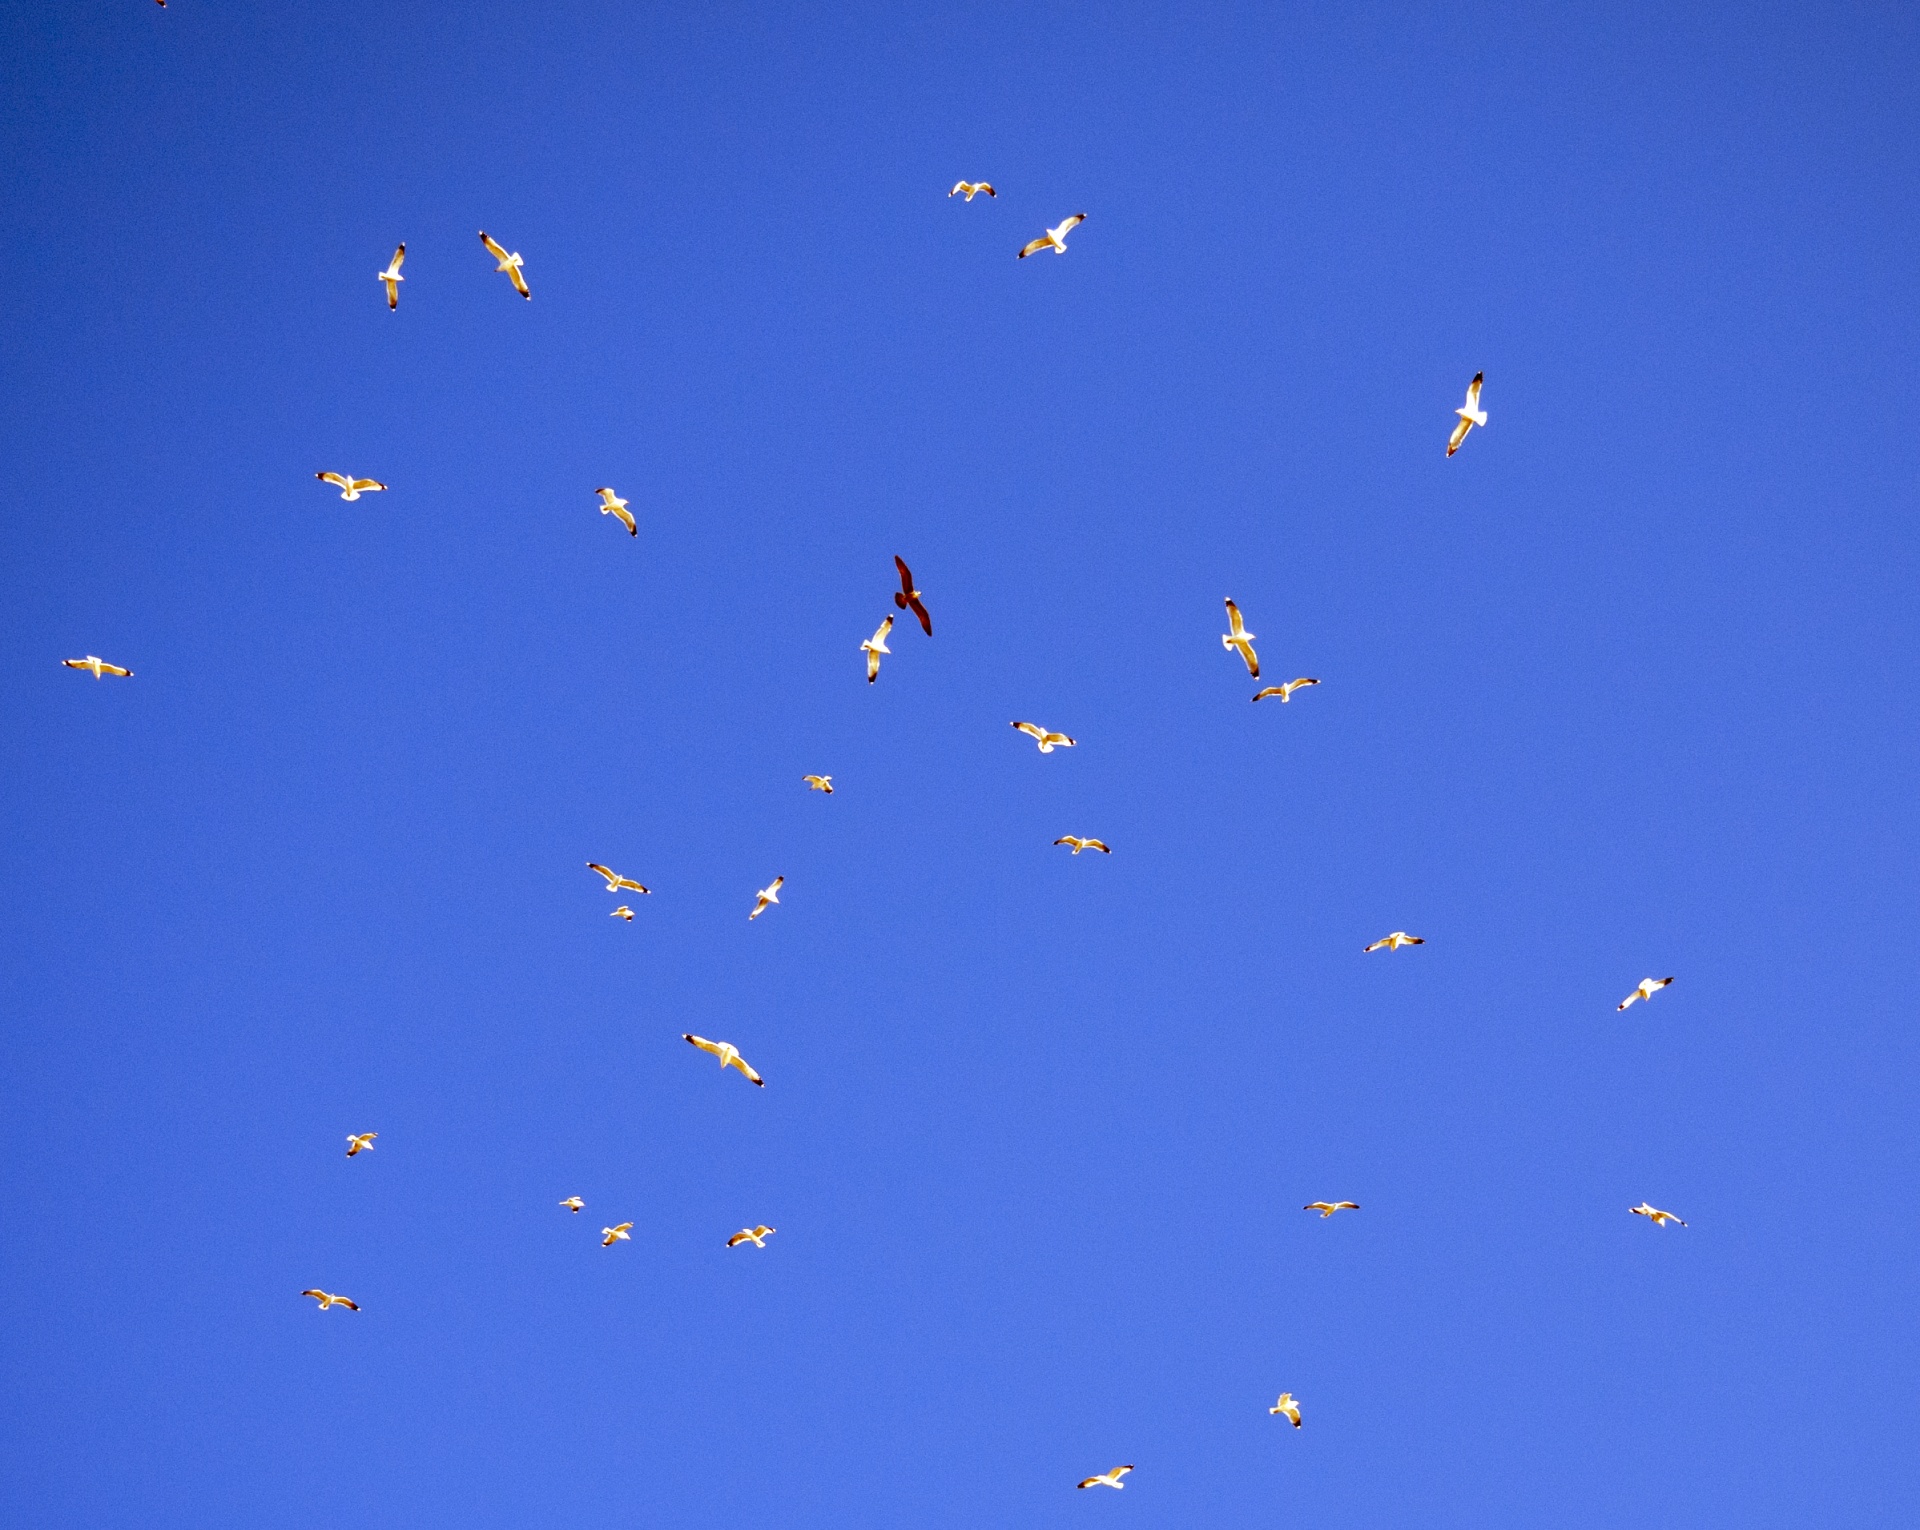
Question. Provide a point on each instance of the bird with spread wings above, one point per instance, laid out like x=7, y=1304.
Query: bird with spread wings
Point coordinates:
x=612, y=504
x=874, y=647
x=971, y=188
x=1237, y=637
x=1080, y=844
x=98, y=666
x=907, y=598
x=766, y=897
x=819, y=784
x=360, y=1142
x=1055, y=239
x=1286, y=1405
x=1395, y=941
x=1644, y=991
x=1284, y=692
x=1655, y=1215
x=615, y=1234
x=757, y=1236
x=1328, y=1208
x=328, y=1299
x=728, y=1054
x=1047, y=741
x=349, y=486
x=510, y=264
x=614, y=880
x=1471, y=414
x=1106, y=1479
x=392, y=277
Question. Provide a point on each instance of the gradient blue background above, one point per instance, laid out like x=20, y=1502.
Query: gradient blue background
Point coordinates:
x=1622, y=689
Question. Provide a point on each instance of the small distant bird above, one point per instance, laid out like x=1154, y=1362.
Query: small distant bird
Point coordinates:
x=757, y=1236
x=612, y=1235
x=360, y=1142
x=728, y=1054
x=1239, y=638
x=1328, y=1208
x=612, y=504
x=1055, y=239
x=874, y=647
x=1288, y=1406
x=1395, y=941
x=767, y=896
x=98, y=666
x=1470, y=415
x=349, y=486
x=1046, y=740
x=614, y=880
x=1654, y=1215
x=819, y=784
x=328, y=1299
x=1082, y=844
x=1647, y=988
x=508, y=263
x=1107, y=1479
x=970, y=188
x=1284, y=692
x=907, y=598
x=574, y=1204
x=622, y=912
x=392, y=277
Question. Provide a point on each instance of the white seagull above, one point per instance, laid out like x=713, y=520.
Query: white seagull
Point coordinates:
x=1471, y=414
x=614, y=880
x=612, y=1235
x=1654, y=1215
x=819, y=784
x=328, y=1299
x=360, y=1142
x=392, y=277
x=1055, y=239
x=1239, y=638
x=349, y=486
x=757, y=1236
x=1289, y=1407
x=1284, y=692
x=1645, y=991
x=612, y=504
x=1328, y=1208
x=1107, y=1479
x=574, y=1204
x=508, y=263
x=767, y=896
x=98, y=666
x=622, y=912
x=728, y=1054
x=1080, y=844
x=1046, y=740
x=970, y=188
x=874, y=647
x=1395, y=941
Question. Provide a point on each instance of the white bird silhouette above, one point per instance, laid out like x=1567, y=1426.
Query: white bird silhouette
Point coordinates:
x=1328, y=1208
x=819, y=784
x=614, y=880
x=1046, y=740
x=1395, y=941
x=349, y=486
x=1289, y=1407
x=1470, y=415
x=874, y=647
x=1644, y=991
x=1107, y=1479
x=392, y=277
x=360, y=1142
x=757, y=1236
x=970, y=188
x=1055, y=239
x=612, y=1235
x=1284, y=692
x=510, y=264
x=767, y=896
x=612, y=504
x=98, y=667
x=1080, y=844
x=1654, y=1215
x=328, y=1299
x=1238, y=637
x=622, y=912
x=574, y=1204
x=728, y=1054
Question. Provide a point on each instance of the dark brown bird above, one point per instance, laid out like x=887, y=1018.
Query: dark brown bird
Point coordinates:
x=908, y=598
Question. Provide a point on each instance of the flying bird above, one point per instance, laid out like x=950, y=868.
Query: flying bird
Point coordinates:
x=1471, y=414
x=614, y=880
x=1288, y=1406
x=1328, y=1208
x=508, y=263
x=612, y=504
x=1046, y=740
x=1395, y=941
x=1107, y=1479
x=1239, y=638
x=1082, y=844
x=574, y=1204
x=907, y=598
x=98, y=666
x=728, y=1054
x=970, y=188
x=874, y=647
x=1654, y=1215
x=360, y=1142
x=1647, y=988
x=612, y=1235
x=392, y=277
x=622, y=912
x=328, y=1299
x=349, y=486
x=757, y=1236
x=819, y=784
x=1055, y=239
x=768, y=895
x=1284, y=692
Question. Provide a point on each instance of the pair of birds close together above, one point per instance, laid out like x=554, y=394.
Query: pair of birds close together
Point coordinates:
x=509, y=264
x=907, y=598
x=1240, y=641
x=763, y=899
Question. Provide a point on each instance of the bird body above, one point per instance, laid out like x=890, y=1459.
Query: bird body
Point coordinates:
x=574, y=1204
x=97, y=667
x=1655, y=1215
x=612, y=1235
x=1286, y=1405
x=1471, y=414
x=1395, y=941
x=1328, y=1208
x=874, y=647
x=392, y=277
x=970, y=188
x=766, y=897
x=328, y=1299
x=614, y=880
x=612, y=504
x=728, y=1054
x=1107, y=1479
x=757, y=1236
x=1237, y=637
x=907, y=598
x=510, y=264
x=1047, y=741
x=1284, y=692
x=360, y=1142
x=1055, y=239
x=819, y=784
x=1644, y=991
x=1082, y=844
x=350, y=487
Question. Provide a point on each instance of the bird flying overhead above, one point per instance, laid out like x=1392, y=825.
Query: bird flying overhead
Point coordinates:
x=1284, y=692
x=728, y=1054
x=328, y=1299
x=907, y=598
x=349, y=486
x=1046, y=740
x=1239, y=638
x=1328, y=1208
x=757, y=1236
x=1082, y=844
x=874, y=647
x=1289, y=1407
x=574, y=1204
x=614, y=880
x=1107, y=1479
x=1654, y=1215
x=1055, y=239
x=819, y=784
x=98, y=666
x=508, y=263
x=360, y=1142
x=622, y=912
x=392, y=277
x=612, y=1235
x=1644, y=991
x=612, y=504
x=1471, y=414
x=970, y=188
x=767, y=896
x=1395, y=941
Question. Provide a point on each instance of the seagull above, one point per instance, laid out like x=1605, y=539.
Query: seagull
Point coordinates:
x=612, y=504
x=1055, y=239
x=349, y=486
x=1647, y=988
x=874, y=647
x=908, y=597
x=1284, y=692
x=757, y=1236
x=1240, y=638
x=508, y=263
x=614, y=880
x=1654, y=1215
x=1288, y=1406
x=819, y=784
x=622, y=912
x=1107, y=1479
x=98, y=666
x=360, y=1142
x=1328, y=1208
x=1046, y=740
x=1082, y=844
x=612, y=1235
x=971, y=187
x=1395, y=941
x=392, y=277
x=1471, y=414
x=728, y=1054
x=574, y=1204
x=328, y=1299
x=767, y=895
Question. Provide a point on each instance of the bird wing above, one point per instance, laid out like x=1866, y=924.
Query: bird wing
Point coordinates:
x=115, y=669
x=399, y=256
x=1473, y=392
x=626, y=517
x=1459, y=435
x=1272, y=690
x=1628, y=999
x=1065, y=226
x=1032, y=730
x=906, y=577
x=1244, y=646
x=1346, y=1206
x=880, y=634
x=1237, y=626
x=1058, y=738
x=926, y=621
x=351, y=1306
x=1321, y=1206
x=776, y=884
x=393, y=292
x=737, y=1238
x=1032, y=247
x=335, y=479
x=1376, y=945
x=702, y=1043
x=983, y=186
x=493, y=249
x=519, y=281
x=612, y=876
x=316, y=1294
x=737, y=1061
x=873, y=662
x=1066, y=839
x=363, y=484
x=1094, y=844
x=629, y=882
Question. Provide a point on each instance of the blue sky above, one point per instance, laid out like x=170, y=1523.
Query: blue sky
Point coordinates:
x=1621, y=690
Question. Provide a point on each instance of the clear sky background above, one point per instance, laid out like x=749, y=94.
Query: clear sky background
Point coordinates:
x=1623, y=689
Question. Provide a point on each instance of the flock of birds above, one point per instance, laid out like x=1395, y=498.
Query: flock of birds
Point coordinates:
x=1236, y=639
